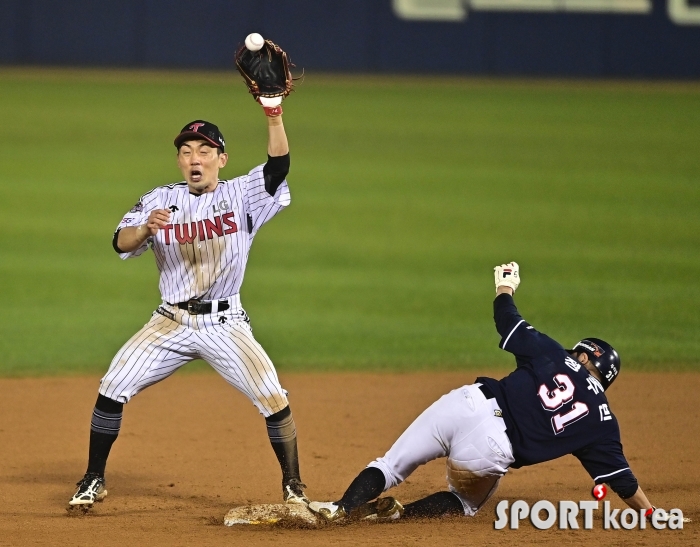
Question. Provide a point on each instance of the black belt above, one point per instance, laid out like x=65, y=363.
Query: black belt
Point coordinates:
x=198, y=307
x=487, y=392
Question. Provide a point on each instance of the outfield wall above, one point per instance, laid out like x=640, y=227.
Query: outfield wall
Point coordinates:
x=608, y=38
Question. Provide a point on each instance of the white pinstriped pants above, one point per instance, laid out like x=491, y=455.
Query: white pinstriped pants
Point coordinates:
x=163, y=345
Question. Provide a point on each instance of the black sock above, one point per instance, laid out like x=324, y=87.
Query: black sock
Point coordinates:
x=435, y=505
x=366, y=486
x=283, y=438
x=104, y=428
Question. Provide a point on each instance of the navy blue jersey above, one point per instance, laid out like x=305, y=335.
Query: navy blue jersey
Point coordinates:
x=553, y=406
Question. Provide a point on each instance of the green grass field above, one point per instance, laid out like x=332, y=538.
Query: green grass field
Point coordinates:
x=405, y=193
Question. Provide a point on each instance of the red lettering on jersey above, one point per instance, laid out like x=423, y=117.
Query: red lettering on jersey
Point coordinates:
x=183, y=234
x=213, y=227
x=228, y=220
x=167, y=229
x=203, y=229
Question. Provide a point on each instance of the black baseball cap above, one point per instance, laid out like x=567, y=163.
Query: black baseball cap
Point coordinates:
x=200, y=129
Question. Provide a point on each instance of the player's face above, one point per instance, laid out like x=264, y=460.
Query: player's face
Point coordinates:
x=199, y=163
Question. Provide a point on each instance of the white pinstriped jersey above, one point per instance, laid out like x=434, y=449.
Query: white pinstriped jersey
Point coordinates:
x=203, y=251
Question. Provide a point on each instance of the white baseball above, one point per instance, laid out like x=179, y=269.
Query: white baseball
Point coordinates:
x=254, y=41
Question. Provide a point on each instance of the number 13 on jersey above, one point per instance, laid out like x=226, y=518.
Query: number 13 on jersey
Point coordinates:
x=557, y=398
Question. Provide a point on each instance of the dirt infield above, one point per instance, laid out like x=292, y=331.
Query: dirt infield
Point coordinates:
x=191, y=448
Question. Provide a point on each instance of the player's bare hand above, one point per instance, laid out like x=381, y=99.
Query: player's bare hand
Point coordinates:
x=507, y=275
x=157, y=219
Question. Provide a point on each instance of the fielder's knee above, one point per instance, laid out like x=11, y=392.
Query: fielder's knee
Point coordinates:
x=120, y=397
x=271, y=404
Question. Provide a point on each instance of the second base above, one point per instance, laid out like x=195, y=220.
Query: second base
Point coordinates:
x=280, y=514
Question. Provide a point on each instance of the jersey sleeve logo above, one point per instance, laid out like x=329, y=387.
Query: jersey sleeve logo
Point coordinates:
x=137, y=208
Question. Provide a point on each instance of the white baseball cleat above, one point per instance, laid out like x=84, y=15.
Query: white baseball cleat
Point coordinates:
x=293, y=492
x=327, y=510
x=91, y=488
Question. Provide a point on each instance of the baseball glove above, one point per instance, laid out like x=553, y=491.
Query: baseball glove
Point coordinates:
x=266, y=72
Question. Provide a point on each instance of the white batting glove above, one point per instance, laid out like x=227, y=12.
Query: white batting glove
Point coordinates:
x=507, y=275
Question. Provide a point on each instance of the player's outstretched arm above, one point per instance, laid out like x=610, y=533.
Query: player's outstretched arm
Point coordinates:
x=517, y=336
x=277, y=166
x=277, y=144
x=132, y=237
x=638, y=500
x=507, y=279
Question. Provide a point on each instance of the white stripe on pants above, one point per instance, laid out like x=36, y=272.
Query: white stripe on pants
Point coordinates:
x=463, y=426
x=163, y=345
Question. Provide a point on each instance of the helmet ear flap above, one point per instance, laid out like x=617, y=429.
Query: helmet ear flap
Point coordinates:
x=603, y=357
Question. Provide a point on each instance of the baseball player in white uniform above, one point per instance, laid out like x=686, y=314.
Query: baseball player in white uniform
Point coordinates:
x=200, y=231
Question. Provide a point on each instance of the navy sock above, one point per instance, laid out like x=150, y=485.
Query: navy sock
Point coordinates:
x=368, y=485
x=283, y=438
x=439, y=504
x=104, y=428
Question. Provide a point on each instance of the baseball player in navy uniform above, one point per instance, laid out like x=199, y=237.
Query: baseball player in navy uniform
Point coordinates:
x=200, y=231
x=551, y=405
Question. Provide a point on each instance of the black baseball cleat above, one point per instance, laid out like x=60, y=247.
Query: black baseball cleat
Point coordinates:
x=293, y=492
x=91, y=488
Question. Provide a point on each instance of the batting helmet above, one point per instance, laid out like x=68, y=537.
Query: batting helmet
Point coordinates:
x=603, y=356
